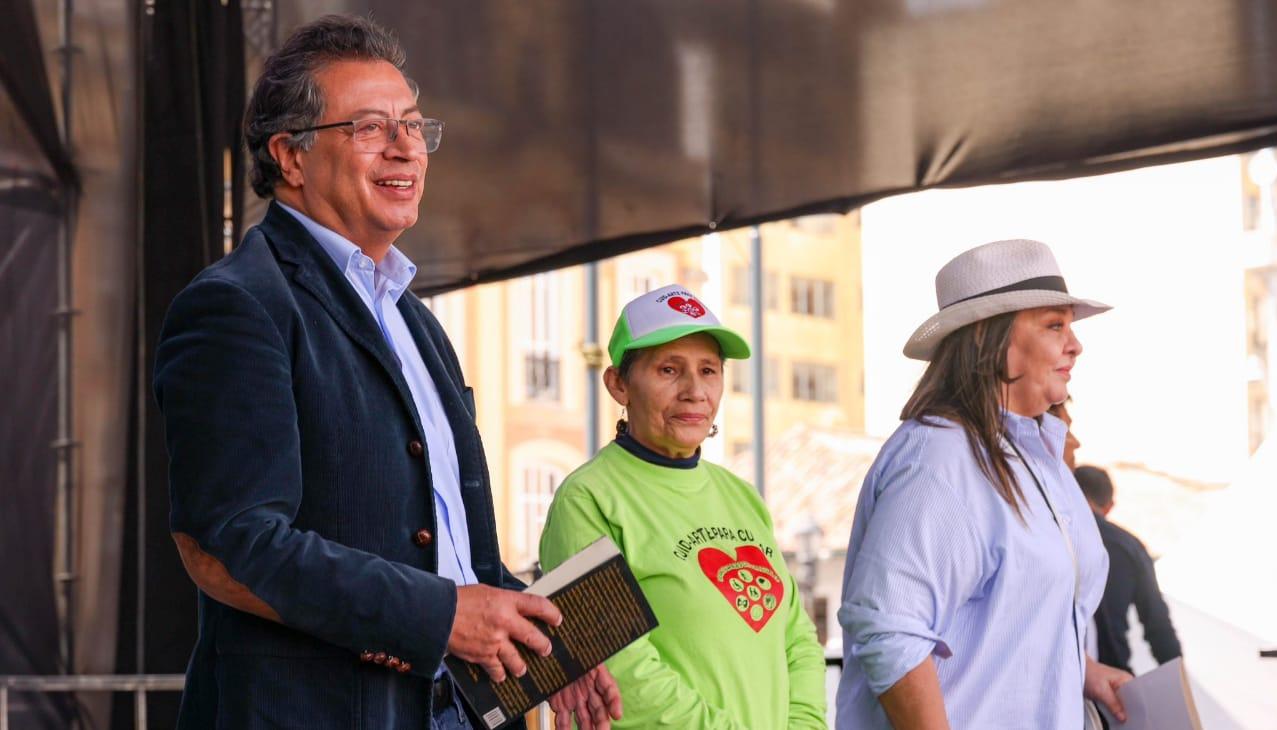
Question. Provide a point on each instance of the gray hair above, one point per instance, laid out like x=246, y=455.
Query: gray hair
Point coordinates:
x=287, y=95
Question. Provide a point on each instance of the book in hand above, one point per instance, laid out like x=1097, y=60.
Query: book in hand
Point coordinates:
x=1158, y=700
x=603, y=612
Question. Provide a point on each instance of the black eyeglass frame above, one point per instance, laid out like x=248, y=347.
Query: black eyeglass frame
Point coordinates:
x=426, y=124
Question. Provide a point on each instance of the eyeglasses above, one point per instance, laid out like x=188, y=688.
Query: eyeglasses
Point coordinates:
x=376, y=133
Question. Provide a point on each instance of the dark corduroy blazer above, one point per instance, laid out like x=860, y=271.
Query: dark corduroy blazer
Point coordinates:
x=293, y=442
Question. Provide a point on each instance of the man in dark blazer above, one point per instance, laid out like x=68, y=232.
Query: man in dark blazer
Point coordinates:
x=330, y=496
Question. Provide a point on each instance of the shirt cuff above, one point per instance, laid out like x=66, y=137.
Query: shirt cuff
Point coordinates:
x=887, y=646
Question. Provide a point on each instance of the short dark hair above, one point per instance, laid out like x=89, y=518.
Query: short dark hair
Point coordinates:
x=1095, y=484
x=286, y=96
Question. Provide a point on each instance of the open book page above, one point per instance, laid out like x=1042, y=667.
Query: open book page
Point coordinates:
x=1158, y=700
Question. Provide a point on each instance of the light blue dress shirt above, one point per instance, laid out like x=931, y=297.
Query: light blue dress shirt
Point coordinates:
x=379, y=286
x=940, y=566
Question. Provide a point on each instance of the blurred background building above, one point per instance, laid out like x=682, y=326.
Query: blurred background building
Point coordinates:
x=520, y=343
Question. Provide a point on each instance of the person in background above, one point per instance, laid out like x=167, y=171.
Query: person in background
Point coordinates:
x=735, y=648
x=1131, y=580
x=973, y=566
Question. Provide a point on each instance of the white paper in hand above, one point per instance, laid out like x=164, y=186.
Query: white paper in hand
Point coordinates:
x=1158, y=700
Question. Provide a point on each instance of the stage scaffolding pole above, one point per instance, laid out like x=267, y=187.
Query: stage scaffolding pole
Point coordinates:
x=65, y=444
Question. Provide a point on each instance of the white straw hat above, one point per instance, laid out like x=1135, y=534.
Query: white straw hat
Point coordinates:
x=998, y=277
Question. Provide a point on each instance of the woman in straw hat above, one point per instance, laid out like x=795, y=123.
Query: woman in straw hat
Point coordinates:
x=734, y=648
x=974, y=564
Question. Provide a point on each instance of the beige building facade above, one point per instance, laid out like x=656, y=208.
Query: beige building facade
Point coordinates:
x=520, y=344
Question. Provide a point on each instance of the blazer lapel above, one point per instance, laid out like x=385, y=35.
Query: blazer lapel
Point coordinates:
x=475, y=490
x=449, y=393
x=318, y=275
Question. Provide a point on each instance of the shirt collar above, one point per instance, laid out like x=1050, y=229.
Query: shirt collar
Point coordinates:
x=396, y=268
x=626, y=441
x=1047, y=428
x=398, y=271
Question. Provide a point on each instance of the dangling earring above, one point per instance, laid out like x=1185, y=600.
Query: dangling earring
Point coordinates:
x=713, y=431
x=621, y=425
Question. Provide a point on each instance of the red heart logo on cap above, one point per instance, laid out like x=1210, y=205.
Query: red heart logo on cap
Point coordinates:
x=747, y=581
x=690, y=307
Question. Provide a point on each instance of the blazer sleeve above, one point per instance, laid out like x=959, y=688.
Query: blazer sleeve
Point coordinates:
x=223, y=379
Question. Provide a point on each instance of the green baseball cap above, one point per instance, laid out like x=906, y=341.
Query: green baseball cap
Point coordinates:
x=664, y=315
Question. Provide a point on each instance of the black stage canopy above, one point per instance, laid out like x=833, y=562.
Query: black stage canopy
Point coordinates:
x=578, y=129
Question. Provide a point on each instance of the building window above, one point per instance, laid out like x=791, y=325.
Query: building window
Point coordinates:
x=813, y=297
x=642, y=271
x=541, y=349
x=541, y=376
x=740, y=292
x=537, y=483
x=1250, y=209
x=641, y=284
x=818, y=383
x=742, y=372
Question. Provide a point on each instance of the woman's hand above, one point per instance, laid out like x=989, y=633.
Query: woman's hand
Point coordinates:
x=594, y=699
x=1101, y=685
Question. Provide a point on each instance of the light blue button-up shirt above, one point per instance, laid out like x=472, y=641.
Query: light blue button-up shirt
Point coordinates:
x=379, y=286
x=940, y=566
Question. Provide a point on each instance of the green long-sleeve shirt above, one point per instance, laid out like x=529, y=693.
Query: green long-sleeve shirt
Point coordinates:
x=734, y=648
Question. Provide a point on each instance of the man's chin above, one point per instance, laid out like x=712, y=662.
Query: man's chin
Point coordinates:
x=396, y=225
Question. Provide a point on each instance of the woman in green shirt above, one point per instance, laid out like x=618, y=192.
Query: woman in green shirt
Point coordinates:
x=734, y=648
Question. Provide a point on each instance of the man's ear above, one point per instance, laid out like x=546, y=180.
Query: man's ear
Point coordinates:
x=288, y=157
x=615, y=385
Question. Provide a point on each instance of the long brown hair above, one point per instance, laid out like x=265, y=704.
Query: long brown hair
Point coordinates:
x=964, y=383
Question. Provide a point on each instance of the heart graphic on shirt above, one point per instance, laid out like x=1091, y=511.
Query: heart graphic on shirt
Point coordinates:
x=690, y=307
x=747, y=581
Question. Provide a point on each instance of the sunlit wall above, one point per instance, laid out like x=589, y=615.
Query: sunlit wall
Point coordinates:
x=1162, y=379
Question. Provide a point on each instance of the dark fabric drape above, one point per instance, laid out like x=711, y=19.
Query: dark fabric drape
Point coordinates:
x=22, y=75
x=580, y=129
x=29, y=225
x=36, y=180
x=192, y=100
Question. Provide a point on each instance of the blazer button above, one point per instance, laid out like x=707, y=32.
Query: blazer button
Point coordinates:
x=422, y=538
x=415, y=449
x=393, y=663
x=379, y=658
x=405, y=668
x=365, y=656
